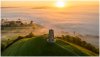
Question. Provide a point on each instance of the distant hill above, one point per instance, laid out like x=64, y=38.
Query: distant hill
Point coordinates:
x=38, y=46
x=9, y=25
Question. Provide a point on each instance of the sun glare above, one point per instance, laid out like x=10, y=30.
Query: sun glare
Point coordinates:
x=60, y=4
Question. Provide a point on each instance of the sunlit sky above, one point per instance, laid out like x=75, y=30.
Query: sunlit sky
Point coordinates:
x=48, y=0
x=50, y=3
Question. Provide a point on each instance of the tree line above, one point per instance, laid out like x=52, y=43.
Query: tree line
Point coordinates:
x=78, y=41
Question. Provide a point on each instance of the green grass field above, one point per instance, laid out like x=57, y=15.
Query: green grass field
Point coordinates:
x=38, y=46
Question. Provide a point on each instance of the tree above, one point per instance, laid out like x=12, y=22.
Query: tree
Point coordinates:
x=31, y=22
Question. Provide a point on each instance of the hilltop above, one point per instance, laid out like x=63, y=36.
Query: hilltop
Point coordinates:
x=38, y=46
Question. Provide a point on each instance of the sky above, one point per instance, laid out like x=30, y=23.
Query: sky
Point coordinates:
x=35, y=3
x=48, y=0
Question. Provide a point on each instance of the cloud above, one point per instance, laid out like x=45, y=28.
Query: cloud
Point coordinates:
x=9, y=7
x=42, y=7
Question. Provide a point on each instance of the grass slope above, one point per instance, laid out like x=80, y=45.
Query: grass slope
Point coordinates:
x=38, y=46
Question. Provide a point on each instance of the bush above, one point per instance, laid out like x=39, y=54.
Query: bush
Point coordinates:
x=2, y=46
x=20, y=37
x=29, y=35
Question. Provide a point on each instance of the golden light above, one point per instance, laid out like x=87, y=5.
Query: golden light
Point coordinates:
x=60, y=4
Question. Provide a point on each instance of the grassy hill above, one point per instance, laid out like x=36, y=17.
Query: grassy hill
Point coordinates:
x=38, y=46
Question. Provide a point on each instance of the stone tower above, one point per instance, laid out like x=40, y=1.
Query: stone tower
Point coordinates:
x=51, y=36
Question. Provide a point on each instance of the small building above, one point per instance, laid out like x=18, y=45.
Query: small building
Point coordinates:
x=51, y=36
